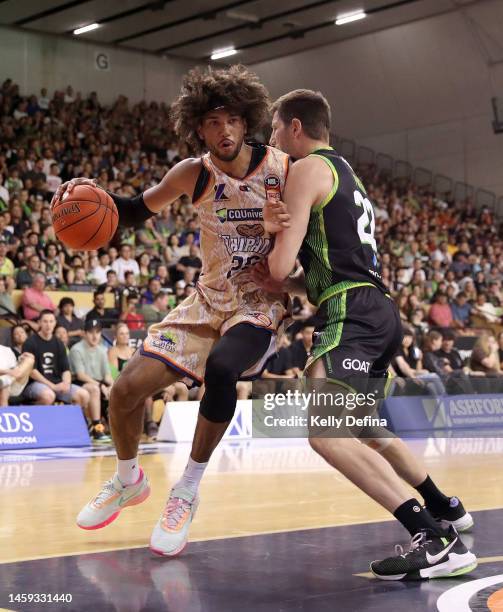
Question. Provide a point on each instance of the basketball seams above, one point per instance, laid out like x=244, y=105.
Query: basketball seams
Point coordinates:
x=63, y=229
x=87, y=189
x=105, y=211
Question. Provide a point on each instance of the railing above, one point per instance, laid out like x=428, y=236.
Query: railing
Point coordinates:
x=402, y=170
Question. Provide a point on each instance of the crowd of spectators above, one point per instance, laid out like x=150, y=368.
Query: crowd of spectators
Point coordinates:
x=442, y=260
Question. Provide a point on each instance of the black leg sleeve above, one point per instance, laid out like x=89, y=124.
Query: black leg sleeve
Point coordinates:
x=241, y=347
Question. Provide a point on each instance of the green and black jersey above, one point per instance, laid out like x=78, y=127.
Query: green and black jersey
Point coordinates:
x=339, y=250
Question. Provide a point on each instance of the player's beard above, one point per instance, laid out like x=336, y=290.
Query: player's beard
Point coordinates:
x=227, y=157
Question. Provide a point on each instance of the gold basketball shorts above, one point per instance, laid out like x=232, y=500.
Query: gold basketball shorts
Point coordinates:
x=184, y=338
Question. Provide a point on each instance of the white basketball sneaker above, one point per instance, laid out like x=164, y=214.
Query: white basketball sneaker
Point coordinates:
x=113, y=497
x=170, y=534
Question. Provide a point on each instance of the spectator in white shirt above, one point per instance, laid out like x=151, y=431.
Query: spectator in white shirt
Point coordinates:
x=4, y=193
x=98, y=274
x=14, y=373
x=53, y=179
x=125, y=263
x=43, y=100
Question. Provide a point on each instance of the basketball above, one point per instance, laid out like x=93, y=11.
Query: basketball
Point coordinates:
x=85, y=219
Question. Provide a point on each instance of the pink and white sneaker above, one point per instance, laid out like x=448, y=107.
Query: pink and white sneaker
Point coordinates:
x=170, y=534
x=113, y=497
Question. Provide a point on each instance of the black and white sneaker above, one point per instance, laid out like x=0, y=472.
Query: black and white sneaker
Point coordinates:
x=454, y=515
x=430, y=556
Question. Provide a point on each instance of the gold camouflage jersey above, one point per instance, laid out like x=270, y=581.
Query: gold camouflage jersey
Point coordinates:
x=233, y=237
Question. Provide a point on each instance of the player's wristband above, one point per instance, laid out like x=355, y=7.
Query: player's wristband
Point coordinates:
x=132, y=211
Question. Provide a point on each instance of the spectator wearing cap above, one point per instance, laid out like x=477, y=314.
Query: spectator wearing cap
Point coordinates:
x=67, y=319
x=155, y=312
x=90, y=368
x=106, y=316
x=440, y=314
x=35, y=300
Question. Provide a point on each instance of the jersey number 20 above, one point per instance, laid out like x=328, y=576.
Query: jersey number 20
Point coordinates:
x=366, y=221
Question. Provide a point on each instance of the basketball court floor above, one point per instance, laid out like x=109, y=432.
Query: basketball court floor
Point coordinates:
x=277, y=530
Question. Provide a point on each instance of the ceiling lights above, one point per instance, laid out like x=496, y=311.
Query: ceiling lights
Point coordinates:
x=350, y=17
x=87, y=28
x=223, y=53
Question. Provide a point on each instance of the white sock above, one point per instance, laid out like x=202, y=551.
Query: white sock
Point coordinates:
x=128, y=470
x=192, y=475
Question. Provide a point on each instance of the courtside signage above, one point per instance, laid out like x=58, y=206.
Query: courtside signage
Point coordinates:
x=449, y=412
x=42, y=427
x=180, y=418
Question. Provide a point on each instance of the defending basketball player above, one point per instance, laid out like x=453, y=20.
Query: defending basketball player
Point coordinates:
x=229, y=327
x=332, y=225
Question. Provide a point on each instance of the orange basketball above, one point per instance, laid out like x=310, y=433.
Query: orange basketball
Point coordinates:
x=86, y=219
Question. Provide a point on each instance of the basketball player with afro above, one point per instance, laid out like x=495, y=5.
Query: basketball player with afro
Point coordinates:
x=228, y=328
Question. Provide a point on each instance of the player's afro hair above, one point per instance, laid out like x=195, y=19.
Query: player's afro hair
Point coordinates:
x=236, y=88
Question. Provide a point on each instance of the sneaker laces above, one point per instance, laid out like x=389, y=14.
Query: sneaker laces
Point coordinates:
x=107, y=490
x=175, y=511
x=419, y=540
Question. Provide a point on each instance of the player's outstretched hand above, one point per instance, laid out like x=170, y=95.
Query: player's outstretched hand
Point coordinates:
x=276, y=216
x=68, y=187
x=262, y=277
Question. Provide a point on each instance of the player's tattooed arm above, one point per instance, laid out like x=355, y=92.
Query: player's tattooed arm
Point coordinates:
x=302, y=191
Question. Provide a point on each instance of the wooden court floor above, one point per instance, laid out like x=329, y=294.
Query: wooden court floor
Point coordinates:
x=250, y=488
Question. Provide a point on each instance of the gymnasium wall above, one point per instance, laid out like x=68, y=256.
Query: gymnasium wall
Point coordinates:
x=36, y=60
x=420, y=92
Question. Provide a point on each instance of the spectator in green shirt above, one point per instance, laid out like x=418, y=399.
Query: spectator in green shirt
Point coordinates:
x=89, y=365
x=155, y=312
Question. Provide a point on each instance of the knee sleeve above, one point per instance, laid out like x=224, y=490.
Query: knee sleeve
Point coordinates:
x=235, y=352
x=220, y=396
